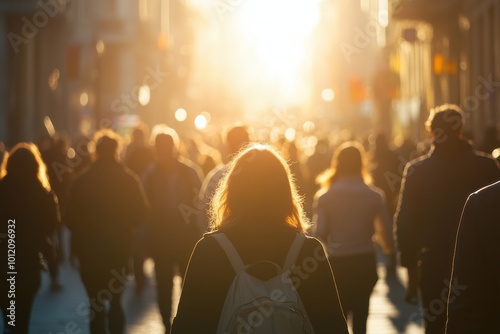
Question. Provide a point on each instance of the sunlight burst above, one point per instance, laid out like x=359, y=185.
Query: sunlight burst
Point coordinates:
x=278, y=30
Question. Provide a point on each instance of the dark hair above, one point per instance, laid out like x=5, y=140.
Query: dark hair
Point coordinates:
x=25, y=162
x=446, y=119
x=236, y=138
x=257, y=187
x=107, y=143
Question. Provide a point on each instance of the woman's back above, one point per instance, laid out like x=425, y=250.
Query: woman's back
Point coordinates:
x=35, y=214
x=256, y=205
x=346, y=215
x=210, y=275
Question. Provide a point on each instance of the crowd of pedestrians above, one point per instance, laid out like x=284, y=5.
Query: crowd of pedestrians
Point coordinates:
x=169, y=199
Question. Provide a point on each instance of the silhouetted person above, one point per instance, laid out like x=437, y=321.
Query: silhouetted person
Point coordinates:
x=106, y=203
x=138, y=157
x=386, y=176
x=317, y=163
x=29, y=214
x=348, y=213
x=257, y=207
x=433, y=193
x=236, y=138
x=384, y=171
x=476, y=309
x=61, y=175
x=171, y=186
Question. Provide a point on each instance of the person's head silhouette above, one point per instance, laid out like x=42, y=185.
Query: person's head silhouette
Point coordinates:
x=24, y=163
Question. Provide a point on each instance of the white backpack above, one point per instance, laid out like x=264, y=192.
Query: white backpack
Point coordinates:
x=255, y=306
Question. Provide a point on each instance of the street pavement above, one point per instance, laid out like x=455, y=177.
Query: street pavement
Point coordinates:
x=63, y=312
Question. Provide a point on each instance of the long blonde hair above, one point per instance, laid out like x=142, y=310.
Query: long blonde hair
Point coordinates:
x=348, y=159
x=25, y=162
x=258, y=186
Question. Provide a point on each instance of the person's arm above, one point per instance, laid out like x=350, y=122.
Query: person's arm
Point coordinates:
x=53, y=215
x=383, y=227
x=406, y=218
x=52, y=223
x=317, y=289
x=208, y=277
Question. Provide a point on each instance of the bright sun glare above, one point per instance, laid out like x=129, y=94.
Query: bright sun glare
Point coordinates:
x=270, y=43
x=257, y=53
x=278, y=30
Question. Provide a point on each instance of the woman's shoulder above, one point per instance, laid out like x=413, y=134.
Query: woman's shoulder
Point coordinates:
x=207, y=242
x=312, y=244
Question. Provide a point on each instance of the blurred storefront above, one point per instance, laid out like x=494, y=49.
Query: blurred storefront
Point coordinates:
x=31, y=59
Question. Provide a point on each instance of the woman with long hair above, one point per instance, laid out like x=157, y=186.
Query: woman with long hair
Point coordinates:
x=348, y=214
x=29, y=215
x=256, y=206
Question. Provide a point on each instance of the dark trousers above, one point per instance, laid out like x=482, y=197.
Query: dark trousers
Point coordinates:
x=355, y=276
x=434, y=287
x=165, y=272
x=105, y=283
x=26, y=288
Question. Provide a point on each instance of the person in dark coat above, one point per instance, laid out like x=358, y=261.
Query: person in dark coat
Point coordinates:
x=257, y=207
x=138, y=157
x=172, y=186
x=29, y=215
x=385, y=174
x=433, y=193
x=475, y=305
x=106, y=203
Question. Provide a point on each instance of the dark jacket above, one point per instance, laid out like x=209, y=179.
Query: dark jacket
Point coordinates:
x=35, y=213
x=210, y=275
x=475, y=305
x=173, y=193
x=106, y=202
x=433, y=193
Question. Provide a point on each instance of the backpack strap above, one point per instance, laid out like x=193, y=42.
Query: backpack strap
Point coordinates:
x=294, y=251
x=231, y=252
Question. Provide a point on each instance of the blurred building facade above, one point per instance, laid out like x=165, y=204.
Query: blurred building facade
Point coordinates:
x=88, y=64
x=30, y=72
x=445, y=52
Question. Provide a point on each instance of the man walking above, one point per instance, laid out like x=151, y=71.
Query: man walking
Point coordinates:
x=172, y=185
x=106, y=203
x=434, y=190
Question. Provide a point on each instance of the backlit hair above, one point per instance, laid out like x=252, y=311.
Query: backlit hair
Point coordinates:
x=446, y=118
x=24, y=162
x=258, y=187
x=348, y=160
x=107, y=143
